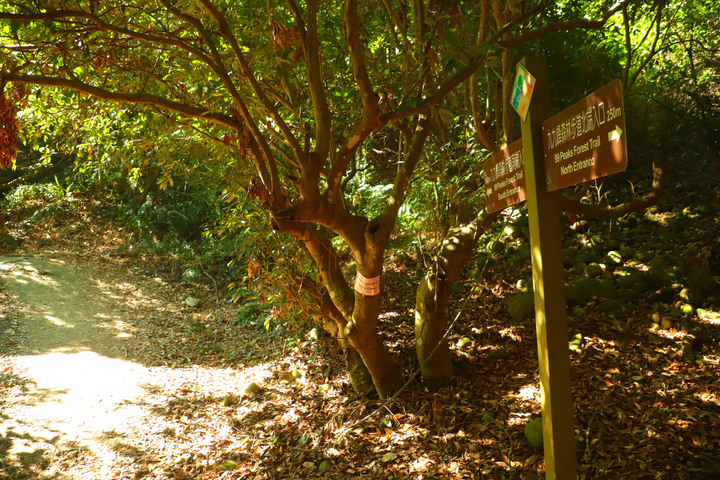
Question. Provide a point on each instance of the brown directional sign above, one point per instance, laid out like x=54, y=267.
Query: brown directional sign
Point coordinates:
x=505, y=177
x=587, y=140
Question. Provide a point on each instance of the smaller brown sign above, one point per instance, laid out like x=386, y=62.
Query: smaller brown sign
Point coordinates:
x=505, y=177
x=586, y=140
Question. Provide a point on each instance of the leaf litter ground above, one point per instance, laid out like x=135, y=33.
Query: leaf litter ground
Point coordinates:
x=177, y=403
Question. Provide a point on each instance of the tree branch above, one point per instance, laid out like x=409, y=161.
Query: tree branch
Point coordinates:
x=370, y=119
x=316, y=84
x=249, y=75
x=397, y=23
x=351, y=26
x=108, y=27
x=603, y=213
x=480, y=130
x=569, y=25
x=476, y=63
x=135, y=98
x=405, y=172
x=27, y=174
x=268, y=172
x=446, y=88
x=653, y=50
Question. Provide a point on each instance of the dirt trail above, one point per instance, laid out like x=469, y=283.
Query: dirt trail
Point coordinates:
x=106, y=374
x=78, y=393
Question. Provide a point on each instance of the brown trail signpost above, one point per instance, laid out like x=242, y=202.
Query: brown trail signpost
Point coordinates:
x=581, y=143
x=505, y=177
x=549, y=287
x=587, y=140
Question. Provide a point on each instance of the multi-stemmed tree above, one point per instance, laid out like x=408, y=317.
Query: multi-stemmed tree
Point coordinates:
x=297, y=91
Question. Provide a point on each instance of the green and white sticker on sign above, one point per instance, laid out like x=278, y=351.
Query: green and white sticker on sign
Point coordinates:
x=522, y=91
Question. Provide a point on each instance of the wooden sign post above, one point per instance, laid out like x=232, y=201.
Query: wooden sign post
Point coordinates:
x=583, y=142
x=549, y=285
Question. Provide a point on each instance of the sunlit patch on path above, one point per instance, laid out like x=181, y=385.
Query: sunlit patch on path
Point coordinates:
x=75, y=402
x=74, y=389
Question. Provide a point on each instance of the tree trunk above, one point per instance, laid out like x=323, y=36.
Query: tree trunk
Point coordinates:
x=430, y=324
x=362, y=333
x=356, y=321
x=151, y=176
x=432, y=297
x=360, y=378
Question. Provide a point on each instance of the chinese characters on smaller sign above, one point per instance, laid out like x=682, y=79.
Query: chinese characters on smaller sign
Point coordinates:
x=505, y=177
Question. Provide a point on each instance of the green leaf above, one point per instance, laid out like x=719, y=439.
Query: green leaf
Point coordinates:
x=325, y=465
x=15, y=26
x=388, y=457
x=453, y=64
x=410, y=104
x=476, y=51
x=227, y=465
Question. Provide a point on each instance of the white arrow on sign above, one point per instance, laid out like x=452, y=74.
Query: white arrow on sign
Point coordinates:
x=615, y=134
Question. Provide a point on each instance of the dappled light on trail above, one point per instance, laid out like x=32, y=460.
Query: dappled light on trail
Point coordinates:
x=107, y=373
x=64, y=307
x=76, y=391
x=73, y=398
